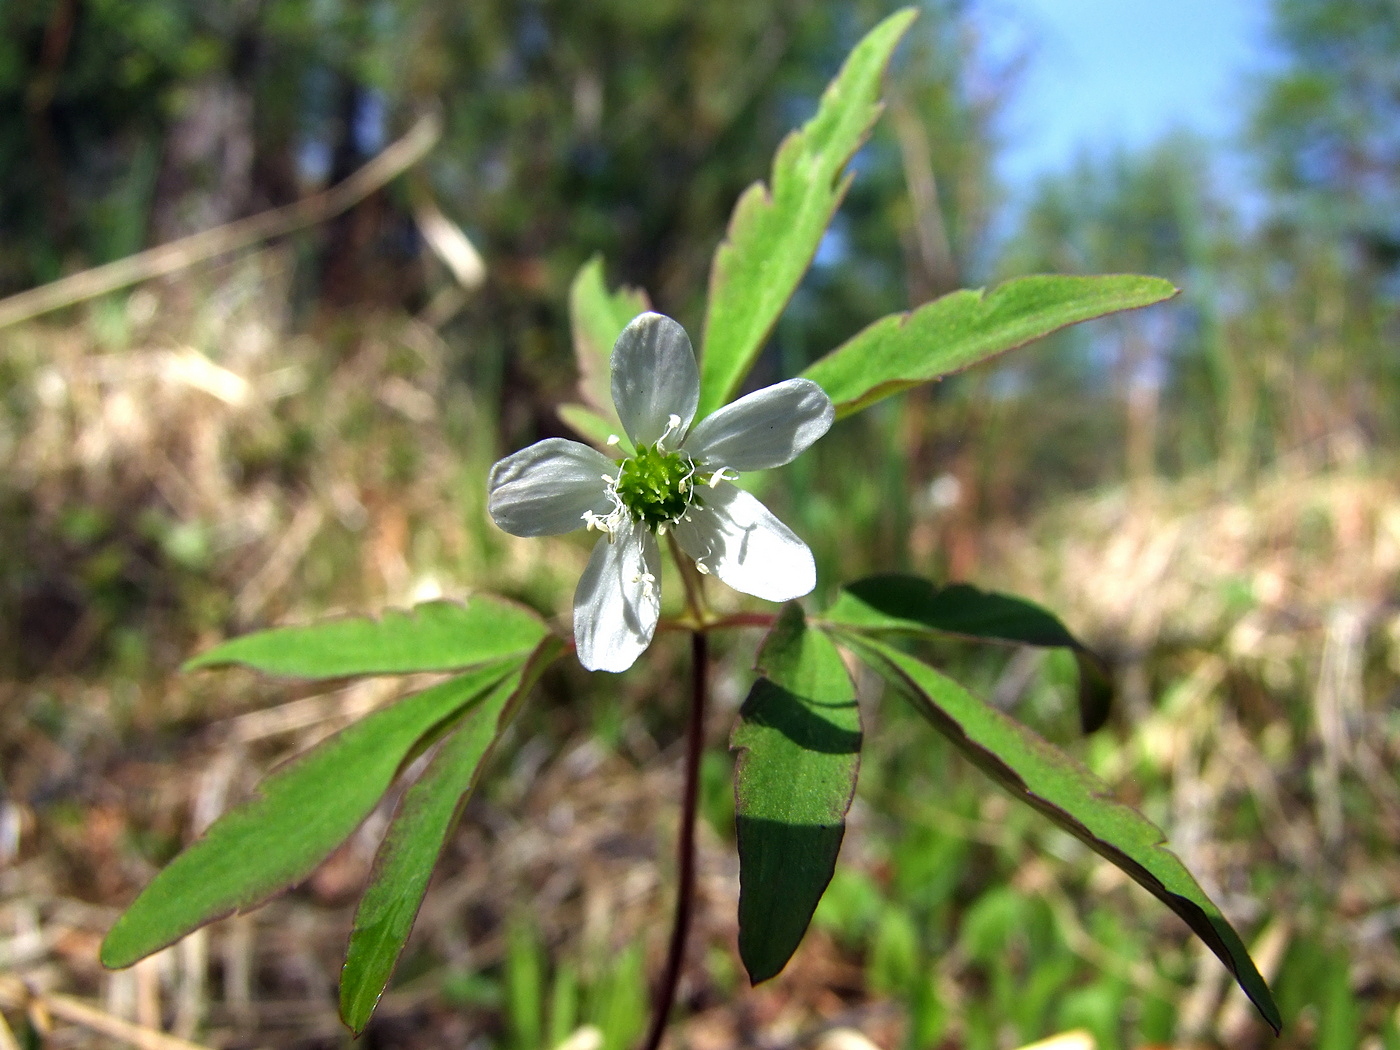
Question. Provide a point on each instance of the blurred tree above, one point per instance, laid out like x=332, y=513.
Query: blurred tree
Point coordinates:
x=1326, y=123
x=1326, y=130
x=1149, y=212
x=621, y=126
x=627, y=127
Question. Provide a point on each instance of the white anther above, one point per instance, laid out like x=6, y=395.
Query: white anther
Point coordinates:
x=673, y=426
x=614, y=439
x=593, y=520
x=722, y=475
x=704, y=569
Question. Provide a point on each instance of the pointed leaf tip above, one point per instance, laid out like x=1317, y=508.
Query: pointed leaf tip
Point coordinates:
x=775, y=229
x=962, y=328
x=300, y=814
x=420, y=829
x=1044, y=777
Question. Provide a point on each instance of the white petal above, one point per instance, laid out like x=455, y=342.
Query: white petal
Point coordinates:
x=654, y=377
x=545, y=489
x=739, y=540
x=615, y=606
x=764, y=429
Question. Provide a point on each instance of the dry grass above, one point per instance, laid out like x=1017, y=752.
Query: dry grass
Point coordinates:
x=224, y=471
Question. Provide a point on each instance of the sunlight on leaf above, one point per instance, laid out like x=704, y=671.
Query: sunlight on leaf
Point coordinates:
x=435, y=636
x=419, y=830
x=964, y=327
x=775, y=229
x=798, y=739
x=300, y=814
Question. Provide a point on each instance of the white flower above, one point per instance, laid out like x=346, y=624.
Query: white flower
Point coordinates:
x=676, y=479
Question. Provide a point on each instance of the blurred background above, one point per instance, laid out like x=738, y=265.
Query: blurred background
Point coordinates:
x=294, y=418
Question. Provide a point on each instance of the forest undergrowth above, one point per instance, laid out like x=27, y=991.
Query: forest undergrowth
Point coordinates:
x=186, y=462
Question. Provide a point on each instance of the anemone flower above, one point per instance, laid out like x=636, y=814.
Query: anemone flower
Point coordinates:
x=677, y=479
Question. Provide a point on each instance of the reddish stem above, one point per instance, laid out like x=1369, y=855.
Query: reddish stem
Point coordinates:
x=685, y=894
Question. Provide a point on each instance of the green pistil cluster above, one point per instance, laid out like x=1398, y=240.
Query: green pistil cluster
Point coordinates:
x=656, y=487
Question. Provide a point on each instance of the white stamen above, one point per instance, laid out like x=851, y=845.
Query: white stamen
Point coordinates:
x=594, y=520
x=704, y=569
x=614, y=439
x=673, y=426
x=721, y=475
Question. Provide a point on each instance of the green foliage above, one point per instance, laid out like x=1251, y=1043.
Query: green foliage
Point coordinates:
x=775, y=229
x=1049, y=780
x=596, y=318
x=435, y=636
x=525, y=979
x=301, y=814
x=1324, y=122
x=597, y=428
x=798, y=739
x=617, y=1002
x=965, y=327
x=799, y=732
x=909, y=604
x=425, y=817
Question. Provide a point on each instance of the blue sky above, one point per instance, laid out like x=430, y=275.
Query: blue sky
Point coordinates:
x=1106, y=72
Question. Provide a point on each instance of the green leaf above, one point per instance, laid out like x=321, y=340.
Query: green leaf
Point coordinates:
x=301, y=813
x=773, y=234
x=596, y=428
x=798, y=740
x=896, y=603
x=436, y=636
x=597, y=317
x=1040, y=774
x=962, y=328
x=425, y=818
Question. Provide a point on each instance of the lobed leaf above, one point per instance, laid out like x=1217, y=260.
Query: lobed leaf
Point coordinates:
x=896, y=603
x=798, y=739
x=597, y=317
x=420, y=828
x=435, y=636
x=964, y=327
x=1040, y=774
x=774, y=232
x=301, y=813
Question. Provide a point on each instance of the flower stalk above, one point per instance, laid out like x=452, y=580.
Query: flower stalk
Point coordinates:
x=685, y=846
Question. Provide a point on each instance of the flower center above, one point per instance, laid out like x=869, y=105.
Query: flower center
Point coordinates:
x=656, y=487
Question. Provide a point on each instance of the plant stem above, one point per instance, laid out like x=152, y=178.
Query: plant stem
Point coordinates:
x=685, y=849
